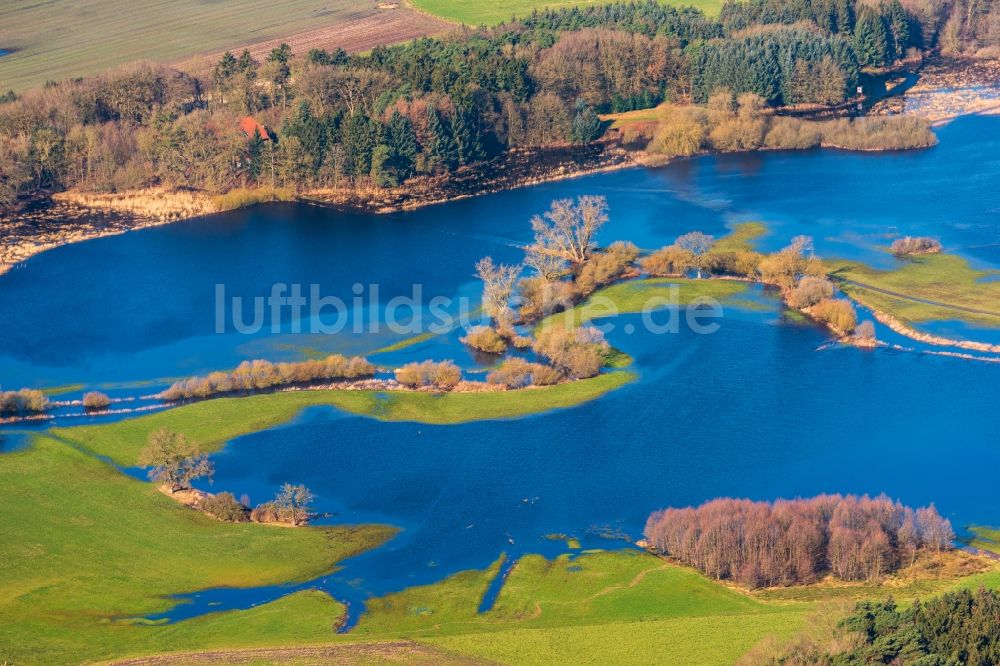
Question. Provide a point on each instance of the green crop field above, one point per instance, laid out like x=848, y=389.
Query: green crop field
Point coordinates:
x=57, y=39
x=477, y=12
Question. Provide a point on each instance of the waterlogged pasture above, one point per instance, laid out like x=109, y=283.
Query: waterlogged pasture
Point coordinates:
x=763, y=407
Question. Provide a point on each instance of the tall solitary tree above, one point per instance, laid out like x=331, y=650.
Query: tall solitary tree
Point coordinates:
x=568, y=229
x=292, y=503
x=174, y=460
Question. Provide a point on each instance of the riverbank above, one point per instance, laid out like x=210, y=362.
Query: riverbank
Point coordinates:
x=73, y=216
x=947, y=89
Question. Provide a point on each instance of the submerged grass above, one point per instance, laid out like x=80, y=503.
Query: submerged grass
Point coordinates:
x=405, y=343
x=635, y=296
x=740, y=238
x=213, y=422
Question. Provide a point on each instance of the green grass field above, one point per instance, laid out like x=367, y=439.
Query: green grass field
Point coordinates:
x=597, y=608
x=634, y=296
x=476, y=12
x=86, y=548
x=57, y=39
x=943, y=279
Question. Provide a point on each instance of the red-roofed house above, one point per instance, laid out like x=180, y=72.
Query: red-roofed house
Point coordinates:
x=249, y=126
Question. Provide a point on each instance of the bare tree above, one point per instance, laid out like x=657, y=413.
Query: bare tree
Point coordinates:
x=548, y=266
x=695, y=242
x=567, y=230
x=292, y=502
x=498, y=287
x=174, y=460
x=802, y=245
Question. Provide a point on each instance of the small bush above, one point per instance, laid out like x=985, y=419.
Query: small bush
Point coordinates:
x=680, y=132
x=225, y=507
x=515, y=373
x=486, y=339
x=522, y=341
x=865, y=331
x=837, y=312
x=878, y=133
x=578, y=353
x=810, y=291
x=268, y=512
x=95, y=400
x=738, y=134
x=444, y=375
x=911, y=246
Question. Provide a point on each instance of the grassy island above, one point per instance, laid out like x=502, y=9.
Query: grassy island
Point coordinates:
x=925, y=288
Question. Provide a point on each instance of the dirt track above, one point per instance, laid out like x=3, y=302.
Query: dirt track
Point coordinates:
x=361, y=32
x=395, y=652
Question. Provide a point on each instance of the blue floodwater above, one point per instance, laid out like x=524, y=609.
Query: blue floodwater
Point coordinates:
x=141, y=306
x=762, y=408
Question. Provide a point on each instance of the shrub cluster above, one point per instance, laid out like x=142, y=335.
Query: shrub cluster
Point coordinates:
x=837, y=312
x=95, y=400
x=541, y=297
x=578, y=353
x=443, y=375
x=798, y=541
x=918, y=245
x=605, y=267
x=810, y=291
x=224, y=506
x=516, y=373
x=260, y=374
x=784, y=268
x=669, y=261
x=486, y=339
x=24, y=401
x=733, y=126
x=865, y=331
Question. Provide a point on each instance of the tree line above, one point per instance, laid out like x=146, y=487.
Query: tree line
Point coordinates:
x=786, y=542
x=428, y=107
x=259, y=374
